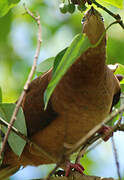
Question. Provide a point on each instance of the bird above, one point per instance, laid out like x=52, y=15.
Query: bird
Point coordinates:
x=81, y=100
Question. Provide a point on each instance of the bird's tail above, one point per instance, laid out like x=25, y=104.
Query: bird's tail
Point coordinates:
x=7, y=171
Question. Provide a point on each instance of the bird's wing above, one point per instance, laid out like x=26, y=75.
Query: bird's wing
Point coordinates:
x=33, y=106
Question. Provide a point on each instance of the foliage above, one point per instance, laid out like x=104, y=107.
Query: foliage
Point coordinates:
x=45, y=65
x=6, y=5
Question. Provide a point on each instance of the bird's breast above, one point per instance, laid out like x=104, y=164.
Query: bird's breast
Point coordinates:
x=82, y=108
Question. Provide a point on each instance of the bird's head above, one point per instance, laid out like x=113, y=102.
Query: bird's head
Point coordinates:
x=93, y=25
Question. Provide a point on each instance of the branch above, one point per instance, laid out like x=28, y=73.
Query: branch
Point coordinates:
x=15, y=112
x=93, y=131
x=94, y=138
x=116, y=16
x=116, y=158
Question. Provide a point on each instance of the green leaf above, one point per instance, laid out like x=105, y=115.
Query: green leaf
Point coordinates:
x=120, y=70
x=116, y=3
x=45, y=65
x=6, y=5
x=49, y=63
x=58, y=58
x=16, y=143
x=0, y=95
x=78, y=46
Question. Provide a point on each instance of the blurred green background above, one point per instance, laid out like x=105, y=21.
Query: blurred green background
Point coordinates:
x=18, y=38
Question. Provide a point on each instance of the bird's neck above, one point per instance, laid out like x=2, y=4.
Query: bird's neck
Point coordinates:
x=93, y=58
x=90, y=67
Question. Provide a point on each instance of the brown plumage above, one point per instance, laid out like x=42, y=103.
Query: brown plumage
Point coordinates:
x=81, y=100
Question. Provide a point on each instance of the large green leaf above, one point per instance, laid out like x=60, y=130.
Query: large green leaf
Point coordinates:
x=116, y=3
x=16, y=143
x=78, y=46
x=120, y=70
x=6, y=5
x=49, y=63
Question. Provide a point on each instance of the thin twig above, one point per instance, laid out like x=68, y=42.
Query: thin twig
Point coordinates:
x=85, y=149
x=30, y=142
x=116, y=16
x=83, y=140
x=117, y=127
x=15, y=112
x=94, y=146
x=94, y=138
x=116, y=158
x=86, y=145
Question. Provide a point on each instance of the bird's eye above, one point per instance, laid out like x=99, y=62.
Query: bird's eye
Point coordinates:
x=83, y=20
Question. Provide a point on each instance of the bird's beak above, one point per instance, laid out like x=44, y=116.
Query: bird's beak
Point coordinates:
x=92, y=10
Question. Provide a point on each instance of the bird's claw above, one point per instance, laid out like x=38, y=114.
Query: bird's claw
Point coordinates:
x=107, y=131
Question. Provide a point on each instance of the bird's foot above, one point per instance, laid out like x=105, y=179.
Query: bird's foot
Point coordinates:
x=75, y=166
x=107, y=131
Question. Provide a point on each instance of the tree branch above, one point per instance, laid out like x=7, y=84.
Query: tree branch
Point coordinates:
x=116, y=16
x=15, y=112
x=116, y=158
x=85, y=139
